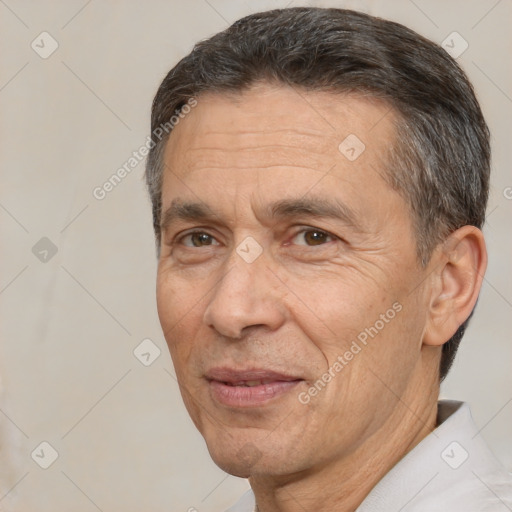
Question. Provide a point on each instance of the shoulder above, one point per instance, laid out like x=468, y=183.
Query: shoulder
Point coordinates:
x=451, y=470
x=470, y=492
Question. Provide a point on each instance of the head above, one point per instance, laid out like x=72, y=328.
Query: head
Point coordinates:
x=321, y=195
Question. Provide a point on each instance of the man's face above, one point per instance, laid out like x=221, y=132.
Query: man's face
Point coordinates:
x=280, y=251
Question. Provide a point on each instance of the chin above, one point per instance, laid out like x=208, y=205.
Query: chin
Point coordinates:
x=249, y=461
x=231, y=463
x=241, y=457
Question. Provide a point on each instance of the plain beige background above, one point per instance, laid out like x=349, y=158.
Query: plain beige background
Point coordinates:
x=69, y=325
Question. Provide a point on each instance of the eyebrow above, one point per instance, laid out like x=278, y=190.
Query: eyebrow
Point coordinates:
x=315, y=207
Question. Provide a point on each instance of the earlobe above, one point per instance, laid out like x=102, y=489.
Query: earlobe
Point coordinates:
x=459, y=267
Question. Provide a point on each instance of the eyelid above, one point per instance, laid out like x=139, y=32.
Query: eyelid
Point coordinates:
x=304, y=228
x=178, y=238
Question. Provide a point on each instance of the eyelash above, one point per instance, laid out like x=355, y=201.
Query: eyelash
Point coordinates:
x=303, y=230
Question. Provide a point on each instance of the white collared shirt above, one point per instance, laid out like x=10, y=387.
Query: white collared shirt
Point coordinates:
x=451, y=470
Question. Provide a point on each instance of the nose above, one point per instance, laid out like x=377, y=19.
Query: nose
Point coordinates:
x=246, y=296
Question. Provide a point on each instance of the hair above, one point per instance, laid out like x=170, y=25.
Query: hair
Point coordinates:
x=440, y=162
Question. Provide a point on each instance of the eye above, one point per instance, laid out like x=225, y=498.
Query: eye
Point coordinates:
x=197, y=239
x=311, y=237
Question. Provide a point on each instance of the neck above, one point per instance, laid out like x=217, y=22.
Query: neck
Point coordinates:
x=342, y=485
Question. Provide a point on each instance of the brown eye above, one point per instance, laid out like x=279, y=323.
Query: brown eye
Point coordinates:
x=198, y=239
x=312, y=237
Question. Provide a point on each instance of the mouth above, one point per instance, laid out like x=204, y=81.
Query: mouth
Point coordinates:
x=249, y=388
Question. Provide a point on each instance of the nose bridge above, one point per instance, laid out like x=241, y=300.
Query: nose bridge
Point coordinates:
x=243, y=296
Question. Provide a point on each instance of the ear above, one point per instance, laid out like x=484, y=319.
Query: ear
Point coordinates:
x=458, y=269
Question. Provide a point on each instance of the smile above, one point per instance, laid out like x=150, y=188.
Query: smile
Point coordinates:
x=251, y=388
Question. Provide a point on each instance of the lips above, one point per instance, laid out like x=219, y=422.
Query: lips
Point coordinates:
x=249, y=383
x=248, y=388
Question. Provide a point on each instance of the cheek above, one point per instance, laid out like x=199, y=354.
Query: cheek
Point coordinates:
x=175, y=294
x=178, y=306
x=358, y=326
x=339, y=309
x=166, y=303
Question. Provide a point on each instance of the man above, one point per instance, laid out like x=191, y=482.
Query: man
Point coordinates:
x=317, y=209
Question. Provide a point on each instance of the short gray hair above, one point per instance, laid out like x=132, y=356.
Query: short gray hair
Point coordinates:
x=440, y=162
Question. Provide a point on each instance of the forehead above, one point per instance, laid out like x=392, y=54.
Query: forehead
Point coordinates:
x=267, y=123
x=272, y=143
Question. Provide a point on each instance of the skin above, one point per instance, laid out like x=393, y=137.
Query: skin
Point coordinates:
x=316, y=285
